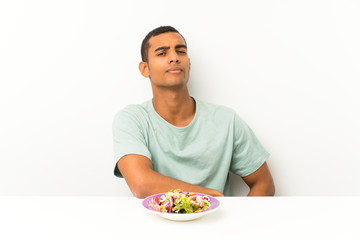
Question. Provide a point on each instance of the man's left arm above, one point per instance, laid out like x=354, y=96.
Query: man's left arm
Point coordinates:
x=260, y=182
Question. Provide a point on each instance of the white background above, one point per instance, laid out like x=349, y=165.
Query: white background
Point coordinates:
x=291, y=69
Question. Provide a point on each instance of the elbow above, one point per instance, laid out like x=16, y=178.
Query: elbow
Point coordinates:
x=270, y=186
x=138, y=193
x=140, y=189
x=271, y=189
x=263, y=188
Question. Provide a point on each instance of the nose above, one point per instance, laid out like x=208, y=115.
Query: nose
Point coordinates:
x=175, y=60
x=174, y=57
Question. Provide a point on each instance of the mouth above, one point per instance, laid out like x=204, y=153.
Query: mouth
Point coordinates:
x=174, y=70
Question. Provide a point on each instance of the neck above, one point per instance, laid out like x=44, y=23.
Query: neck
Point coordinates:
x=176, y=107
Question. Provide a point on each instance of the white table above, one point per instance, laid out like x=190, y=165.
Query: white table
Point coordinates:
x=124, y=218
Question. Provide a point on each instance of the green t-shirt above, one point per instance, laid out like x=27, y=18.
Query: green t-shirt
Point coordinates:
x=215, y=142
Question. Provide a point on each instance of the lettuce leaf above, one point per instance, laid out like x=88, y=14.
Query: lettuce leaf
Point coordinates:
x=183, y=205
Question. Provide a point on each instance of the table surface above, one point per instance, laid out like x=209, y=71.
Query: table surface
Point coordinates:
x=125, y=217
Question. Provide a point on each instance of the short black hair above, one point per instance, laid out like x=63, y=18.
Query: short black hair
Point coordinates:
x=157, y=31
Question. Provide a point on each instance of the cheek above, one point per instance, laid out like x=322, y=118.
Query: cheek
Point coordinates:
x=154, y=71
x=155, y=67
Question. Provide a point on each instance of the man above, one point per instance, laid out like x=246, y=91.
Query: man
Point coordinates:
x=176, y=141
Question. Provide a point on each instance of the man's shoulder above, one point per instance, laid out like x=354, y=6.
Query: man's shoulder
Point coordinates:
x=215, y=109
x=135, y=111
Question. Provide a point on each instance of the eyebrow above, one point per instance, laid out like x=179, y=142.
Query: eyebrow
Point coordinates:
x=167, y=47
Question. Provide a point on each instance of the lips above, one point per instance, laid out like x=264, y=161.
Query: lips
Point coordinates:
x=174, y=70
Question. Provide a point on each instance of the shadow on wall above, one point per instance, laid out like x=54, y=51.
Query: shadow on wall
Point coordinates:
x=237, y=186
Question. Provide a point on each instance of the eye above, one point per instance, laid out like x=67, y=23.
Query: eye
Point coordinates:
x=160, y=54
x=181, y=52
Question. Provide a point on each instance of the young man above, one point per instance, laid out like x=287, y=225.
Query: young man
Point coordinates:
x=176, y=141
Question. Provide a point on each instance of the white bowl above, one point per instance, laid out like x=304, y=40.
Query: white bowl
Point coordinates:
x=214, y=205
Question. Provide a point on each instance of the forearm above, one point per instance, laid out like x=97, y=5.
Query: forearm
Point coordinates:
x=153, y=183
x=143, y=181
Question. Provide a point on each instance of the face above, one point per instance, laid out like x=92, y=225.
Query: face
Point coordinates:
x=168, y=62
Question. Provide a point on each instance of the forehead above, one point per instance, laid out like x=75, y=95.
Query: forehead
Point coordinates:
x=166, y=39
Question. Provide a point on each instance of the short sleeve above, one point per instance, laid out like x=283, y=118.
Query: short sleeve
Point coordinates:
x=248, y=153
x=129, y=135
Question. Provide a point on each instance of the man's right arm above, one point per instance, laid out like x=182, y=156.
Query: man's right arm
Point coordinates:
x=143, y=181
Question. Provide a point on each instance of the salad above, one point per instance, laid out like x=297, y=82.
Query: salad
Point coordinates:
x=178, y=201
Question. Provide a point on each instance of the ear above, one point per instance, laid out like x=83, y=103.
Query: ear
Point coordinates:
x=144, y=69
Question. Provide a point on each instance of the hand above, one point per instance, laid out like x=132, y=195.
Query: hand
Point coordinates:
x=216, y=193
